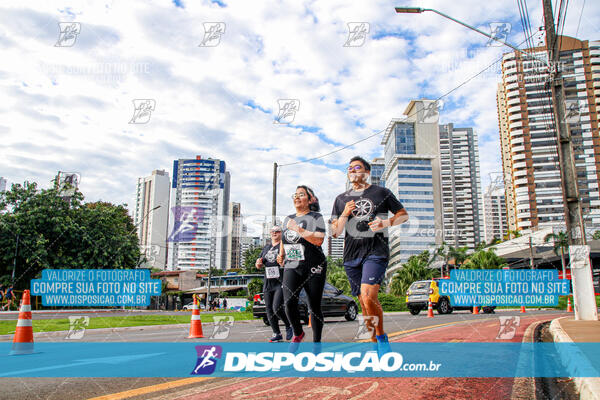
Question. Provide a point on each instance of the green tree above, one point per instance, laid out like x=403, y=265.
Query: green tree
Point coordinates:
x=250, y=257
x=484, y=259
x=561, y=245
x=596, y=235
x=415, y=269
x=54, y=233
x=336, y=275
x=255, y=286
x=512, y=234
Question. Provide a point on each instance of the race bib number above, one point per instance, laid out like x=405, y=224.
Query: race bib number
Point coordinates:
x=272, y=272
x=294, y=252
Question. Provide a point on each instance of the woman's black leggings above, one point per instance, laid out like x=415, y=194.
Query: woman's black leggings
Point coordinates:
x=274, y=306
x=313, y=284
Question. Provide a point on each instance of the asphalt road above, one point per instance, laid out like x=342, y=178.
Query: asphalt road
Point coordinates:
x=400, y=326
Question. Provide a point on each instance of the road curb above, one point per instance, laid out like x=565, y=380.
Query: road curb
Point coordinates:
x=587, y=387
x=120, y=329
x=524, y=387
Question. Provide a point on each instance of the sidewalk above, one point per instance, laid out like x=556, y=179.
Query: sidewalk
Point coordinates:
x=566, y=329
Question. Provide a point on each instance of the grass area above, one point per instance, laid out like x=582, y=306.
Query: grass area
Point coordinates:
x=62, y=324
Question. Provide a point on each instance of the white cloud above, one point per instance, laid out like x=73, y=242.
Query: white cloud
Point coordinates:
x=68, y=108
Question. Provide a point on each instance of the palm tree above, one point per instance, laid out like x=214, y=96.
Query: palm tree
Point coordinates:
x=561, y=242
x=484, y=259
x=415, y=269
x=512, y=235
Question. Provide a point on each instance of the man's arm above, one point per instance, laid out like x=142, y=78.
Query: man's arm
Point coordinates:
x=399, y=218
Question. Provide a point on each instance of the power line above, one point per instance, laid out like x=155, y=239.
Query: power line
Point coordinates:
x=380, y=132
x=580, y=15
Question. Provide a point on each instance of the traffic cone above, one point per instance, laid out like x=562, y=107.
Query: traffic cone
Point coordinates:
x=523, y=309
x=23, y=340
x=309, y=321
x=429, y=310
x=196, y=325
x=475, y=310
x=569, y=307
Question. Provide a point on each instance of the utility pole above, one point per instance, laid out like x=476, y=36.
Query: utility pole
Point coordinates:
x=579, y=252
x=568, y=173
x=531, y=265
x=274, y=209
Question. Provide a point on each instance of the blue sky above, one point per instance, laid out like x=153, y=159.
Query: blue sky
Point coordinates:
x=68, y=107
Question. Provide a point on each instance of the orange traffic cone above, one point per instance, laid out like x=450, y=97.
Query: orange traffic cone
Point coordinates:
x=429, y=310
x=569, y=307
x=196, y=326
x=475, y=310
x=309, y=321
x=23, y=340
x=523, y=309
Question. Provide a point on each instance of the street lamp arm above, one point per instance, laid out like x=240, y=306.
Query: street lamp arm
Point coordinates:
x=417, y=10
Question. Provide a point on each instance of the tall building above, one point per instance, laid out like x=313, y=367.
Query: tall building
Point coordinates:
x=234, y=245
x=266, y=229
x=377, y=170
x=199, y=229
x=534, y=196
x=249, y=242
x=412, y=173
x=2, y=184
x=151, y=217
x=494, y=214
x=461, y=187
x=335, y=246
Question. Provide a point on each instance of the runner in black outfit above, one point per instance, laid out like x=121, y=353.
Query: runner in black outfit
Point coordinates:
x=304, y=261
x=272, y=293
x=363, y=213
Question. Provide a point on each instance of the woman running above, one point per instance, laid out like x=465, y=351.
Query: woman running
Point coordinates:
x=272, y=291
x=304, y=261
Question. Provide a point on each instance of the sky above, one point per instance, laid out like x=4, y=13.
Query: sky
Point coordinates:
x=69, y=103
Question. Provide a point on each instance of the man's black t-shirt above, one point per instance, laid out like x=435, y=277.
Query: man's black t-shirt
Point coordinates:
x=300, y=254
x=273, y=271
x=360, y=240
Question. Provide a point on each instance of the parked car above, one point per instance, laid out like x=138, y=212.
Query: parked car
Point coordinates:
x=420, y=292
x=188, y=306
x=334, y=304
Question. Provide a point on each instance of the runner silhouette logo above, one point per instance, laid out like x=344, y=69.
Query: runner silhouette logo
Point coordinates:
x=207, y=359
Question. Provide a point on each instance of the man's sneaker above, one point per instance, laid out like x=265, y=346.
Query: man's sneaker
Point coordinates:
x=295, y=343
x=276, y=338
x=383, y=345
x=289, y=333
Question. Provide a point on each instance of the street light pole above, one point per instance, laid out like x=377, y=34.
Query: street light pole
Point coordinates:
x=274, y=206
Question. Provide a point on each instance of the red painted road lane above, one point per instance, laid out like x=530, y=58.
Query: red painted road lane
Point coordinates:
x=475, y=331
x=384, y=388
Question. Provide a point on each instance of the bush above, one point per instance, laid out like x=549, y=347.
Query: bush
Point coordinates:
x=389, y=302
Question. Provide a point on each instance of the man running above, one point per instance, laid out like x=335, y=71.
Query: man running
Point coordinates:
x=362, y=212
x=272, y=292
x=9, y=295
